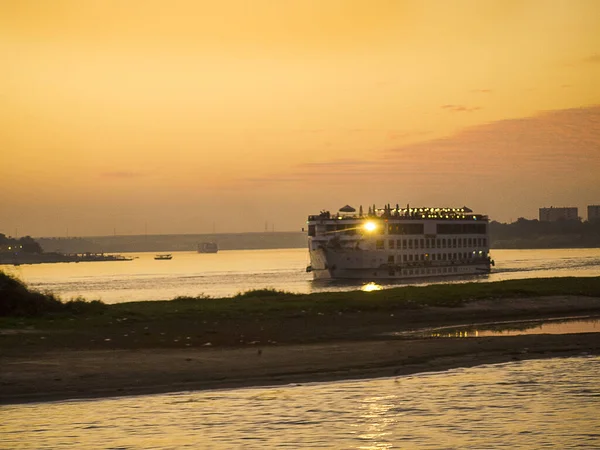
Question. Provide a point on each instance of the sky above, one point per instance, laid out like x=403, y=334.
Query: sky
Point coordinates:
x=239, y=116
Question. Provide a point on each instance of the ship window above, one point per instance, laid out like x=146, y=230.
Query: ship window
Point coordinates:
x=398, y=244
x=433, y=256
x=410, y=243
x=379, y=244
x=443, y=243
x=484, y=242
x=422, y=243
x=410, y=257
x=454, y=243
x=404, y=247
x=422, y=258
x=438, y=243
x=391, y=243
x=391, y=259
x=311, y=230
x=460, y=242
x=404, y=258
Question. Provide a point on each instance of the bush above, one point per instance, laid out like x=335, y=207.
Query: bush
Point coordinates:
x=17, y=300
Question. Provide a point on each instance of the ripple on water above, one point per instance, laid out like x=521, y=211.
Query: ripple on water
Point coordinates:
x=526, y=404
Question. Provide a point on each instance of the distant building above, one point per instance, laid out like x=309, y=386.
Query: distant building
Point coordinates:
x=553, y=214
x=593, y=213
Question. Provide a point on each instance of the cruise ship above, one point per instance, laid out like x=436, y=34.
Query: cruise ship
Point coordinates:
x=395, y=243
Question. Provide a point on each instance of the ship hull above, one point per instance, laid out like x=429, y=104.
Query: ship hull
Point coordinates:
x=328, y=264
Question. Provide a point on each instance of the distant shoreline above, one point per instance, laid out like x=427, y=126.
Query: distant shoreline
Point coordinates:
x=502, y=236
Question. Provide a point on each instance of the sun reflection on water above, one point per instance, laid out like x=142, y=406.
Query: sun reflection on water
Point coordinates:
x=370, y=287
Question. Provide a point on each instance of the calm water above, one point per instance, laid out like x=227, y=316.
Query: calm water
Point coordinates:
x=551, y=403
x=512, y=328
x=228, y=272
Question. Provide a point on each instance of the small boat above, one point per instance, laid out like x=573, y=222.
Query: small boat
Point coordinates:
x=208, y=247
x=165, y=256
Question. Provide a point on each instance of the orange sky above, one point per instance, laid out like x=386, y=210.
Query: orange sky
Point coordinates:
x=171, y=116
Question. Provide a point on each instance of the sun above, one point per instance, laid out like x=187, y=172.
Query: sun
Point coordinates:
x=370, y=226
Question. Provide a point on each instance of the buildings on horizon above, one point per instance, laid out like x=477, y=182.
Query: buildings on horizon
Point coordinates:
x=554, y=214
x=593, y=213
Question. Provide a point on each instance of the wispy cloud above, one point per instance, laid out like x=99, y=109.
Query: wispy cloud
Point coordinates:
x=592, y=59
x=509, y=167
x=120, y=174
x=460, y=108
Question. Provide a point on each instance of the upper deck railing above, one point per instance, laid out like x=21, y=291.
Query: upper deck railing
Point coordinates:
x=404, y=214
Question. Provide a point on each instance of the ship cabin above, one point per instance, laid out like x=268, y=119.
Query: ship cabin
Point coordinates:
x=405, y=236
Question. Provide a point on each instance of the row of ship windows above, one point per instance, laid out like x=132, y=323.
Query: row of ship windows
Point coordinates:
x=409, y=244
x=429, y=271
x=462, y=256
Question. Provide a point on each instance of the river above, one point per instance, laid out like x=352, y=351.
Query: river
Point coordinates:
x=227, y=273
x=550, y=403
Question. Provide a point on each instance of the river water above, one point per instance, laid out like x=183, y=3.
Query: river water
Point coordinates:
x=552, y=403
x=227, y=273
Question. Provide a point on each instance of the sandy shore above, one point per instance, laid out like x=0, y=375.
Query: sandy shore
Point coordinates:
x=290, y=351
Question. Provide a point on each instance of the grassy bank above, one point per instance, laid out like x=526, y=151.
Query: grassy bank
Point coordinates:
x=16, y=300
x=268, y=317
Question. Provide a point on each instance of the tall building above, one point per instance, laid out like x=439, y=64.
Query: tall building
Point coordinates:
x=553, y=214
x=593, y=213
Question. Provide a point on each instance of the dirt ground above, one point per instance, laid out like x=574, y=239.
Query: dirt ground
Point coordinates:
x=131, y=359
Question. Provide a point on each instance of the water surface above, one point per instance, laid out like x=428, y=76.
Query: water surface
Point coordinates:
x=551, y=403
x=227, y=273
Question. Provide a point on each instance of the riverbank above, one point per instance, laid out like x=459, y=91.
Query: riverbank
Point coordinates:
x=189, y=344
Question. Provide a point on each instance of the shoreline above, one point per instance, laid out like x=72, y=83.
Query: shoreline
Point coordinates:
x=81, y=384
x=327, y=348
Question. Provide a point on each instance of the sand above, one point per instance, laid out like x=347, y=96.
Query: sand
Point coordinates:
x=292, y=350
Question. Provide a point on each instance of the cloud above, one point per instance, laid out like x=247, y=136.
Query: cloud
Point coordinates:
x=592, y=59
x=397, y=135
x=120, y=174
x=508, y=168
x=460, y=108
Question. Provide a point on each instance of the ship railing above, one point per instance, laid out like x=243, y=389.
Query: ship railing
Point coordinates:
x=413, y=216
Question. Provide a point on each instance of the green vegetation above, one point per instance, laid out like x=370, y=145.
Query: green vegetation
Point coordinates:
x=33, y=321
x=18, y=300
x=25, y=244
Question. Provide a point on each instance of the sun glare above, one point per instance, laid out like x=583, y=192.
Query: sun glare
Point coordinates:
x=370, y=287
x=370, y=226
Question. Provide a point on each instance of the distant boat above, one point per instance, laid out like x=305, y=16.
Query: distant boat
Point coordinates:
x=208, y=247
x=91, y=256
x=165, y=256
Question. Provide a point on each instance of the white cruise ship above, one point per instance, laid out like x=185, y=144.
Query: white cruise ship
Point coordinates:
x=392, y=243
